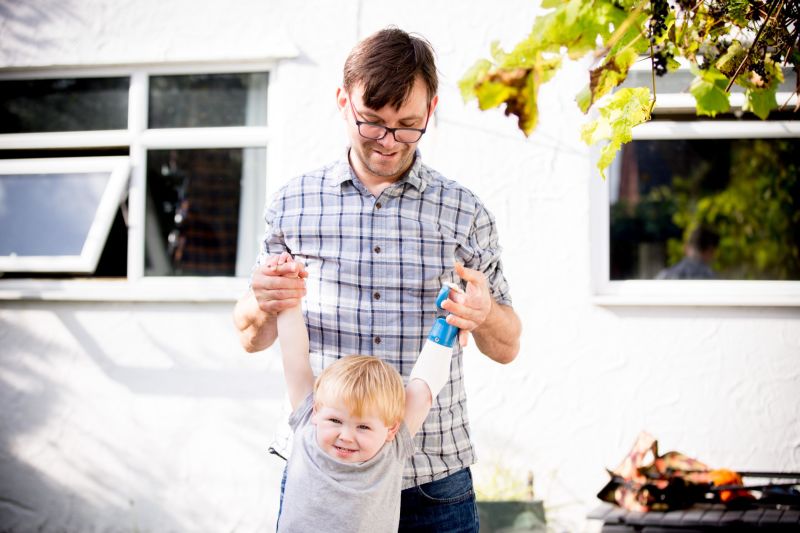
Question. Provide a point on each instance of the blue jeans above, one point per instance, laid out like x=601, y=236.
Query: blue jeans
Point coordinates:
x=446, y=504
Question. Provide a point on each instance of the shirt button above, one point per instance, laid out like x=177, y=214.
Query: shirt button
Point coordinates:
x=377, y=340
x=378, y=205
x=377, y=249
x=377, y=296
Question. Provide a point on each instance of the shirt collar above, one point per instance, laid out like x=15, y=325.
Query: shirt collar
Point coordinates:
x=342, y=172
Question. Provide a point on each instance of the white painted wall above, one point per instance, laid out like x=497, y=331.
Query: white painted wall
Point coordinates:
x=148, y=416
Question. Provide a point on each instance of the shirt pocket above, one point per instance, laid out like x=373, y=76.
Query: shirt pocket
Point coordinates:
x=426, y=256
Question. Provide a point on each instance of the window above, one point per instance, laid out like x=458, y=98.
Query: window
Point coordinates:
x=57, y=213
x=132, y=174
x=701, y=211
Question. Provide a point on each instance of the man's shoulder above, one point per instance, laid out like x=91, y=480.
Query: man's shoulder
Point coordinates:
x=326, y=174
x=438, y=181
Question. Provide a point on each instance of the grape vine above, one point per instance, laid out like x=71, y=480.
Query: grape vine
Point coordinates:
x=724, y=42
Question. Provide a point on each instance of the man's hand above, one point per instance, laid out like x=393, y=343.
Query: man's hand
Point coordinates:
x=279, y=283
x=469, y=309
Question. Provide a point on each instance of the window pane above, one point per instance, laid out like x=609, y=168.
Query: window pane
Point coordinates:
x=194, y=198
x=48, y=214
x=56, y=213
x=730, y=206
x=66, y=104
x=208, y=100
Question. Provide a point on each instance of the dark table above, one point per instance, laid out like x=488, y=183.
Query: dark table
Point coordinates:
x=700, y=518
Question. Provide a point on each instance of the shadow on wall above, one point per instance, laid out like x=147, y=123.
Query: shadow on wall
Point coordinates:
x=178, y=374
x=135, y=417
x=21, y=21
x=37, y=451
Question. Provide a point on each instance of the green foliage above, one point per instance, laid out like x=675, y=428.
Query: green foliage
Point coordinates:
x=625, y=109
x=756, y=215
x=708, y=89
x=725, y=42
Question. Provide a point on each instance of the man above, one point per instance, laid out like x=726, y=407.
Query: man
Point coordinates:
x=699, y=252
x=378, y=234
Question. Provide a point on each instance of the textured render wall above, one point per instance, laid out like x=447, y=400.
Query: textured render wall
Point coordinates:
x=148, y=417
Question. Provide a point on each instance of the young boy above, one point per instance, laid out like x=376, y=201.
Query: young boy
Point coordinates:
x=353, y=430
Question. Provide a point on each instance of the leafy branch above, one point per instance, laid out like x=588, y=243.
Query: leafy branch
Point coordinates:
x=723, y=41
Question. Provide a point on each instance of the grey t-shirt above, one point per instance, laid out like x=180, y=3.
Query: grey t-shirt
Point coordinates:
x=324, y=494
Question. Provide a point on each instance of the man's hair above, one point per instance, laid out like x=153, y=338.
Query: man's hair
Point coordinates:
x=364, y=384
x=703, y=238
x=387, y=63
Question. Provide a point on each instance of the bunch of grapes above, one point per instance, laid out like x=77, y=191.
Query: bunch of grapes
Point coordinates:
x=658, y=18
x=660, y=62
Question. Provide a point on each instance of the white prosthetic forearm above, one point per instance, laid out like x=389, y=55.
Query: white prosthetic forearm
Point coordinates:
x=433, y=363
x=433, y=366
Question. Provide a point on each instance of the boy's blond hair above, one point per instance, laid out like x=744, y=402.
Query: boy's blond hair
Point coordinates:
x=365, y=384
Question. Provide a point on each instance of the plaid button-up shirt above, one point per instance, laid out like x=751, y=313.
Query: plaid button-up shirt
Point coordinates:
x=375, y=267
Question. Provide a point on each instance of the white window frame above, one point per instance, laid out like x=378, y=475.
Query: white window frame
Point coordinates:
x=137, y=287
x=114, y=192
x=607, y=292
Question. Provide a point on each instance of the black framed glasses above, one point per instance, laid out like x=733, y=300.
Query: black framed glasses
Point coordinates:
x=376, y=132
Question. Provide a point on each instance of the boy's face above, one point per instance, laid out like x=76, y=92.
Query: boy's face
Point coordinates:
x=348, y=438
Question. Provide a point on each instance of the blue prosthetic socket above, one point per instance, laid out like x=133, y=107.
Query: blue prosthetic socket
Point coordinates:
x=441, y=332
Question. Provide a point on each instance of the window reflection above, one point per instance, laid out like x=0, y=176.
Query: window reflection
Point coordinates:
x=744, y=192
x=64, y=104
x=208, y=100
x=193, y=206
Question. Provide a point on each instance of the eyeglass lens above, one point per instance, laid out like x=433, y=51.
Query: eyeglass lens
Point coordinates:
x=374, y=131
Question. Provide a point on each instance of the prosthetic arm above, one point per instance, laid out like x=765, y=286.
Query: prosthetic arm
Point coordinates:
x=433, y=363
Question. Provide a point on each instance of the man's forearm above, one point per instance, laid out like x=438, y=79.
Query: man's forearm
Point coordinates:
x=257, y=328
x=498, y=336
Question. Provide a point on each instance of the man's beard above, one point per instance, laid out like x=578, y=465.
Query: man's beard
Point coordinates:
x=366, y=155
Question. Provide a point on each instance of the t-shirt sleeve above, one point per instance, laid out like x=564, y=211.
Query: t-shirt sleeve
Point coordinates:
x=302, y=415
x=404, y=442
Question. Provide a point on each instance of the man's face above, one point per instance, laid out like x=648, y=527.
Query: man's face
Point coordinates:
x=348, y=438
x=379, y=161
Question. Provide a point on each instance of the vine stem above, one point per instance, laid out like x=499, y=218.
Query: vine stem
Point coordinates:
x=775, y=3
x=653, y=78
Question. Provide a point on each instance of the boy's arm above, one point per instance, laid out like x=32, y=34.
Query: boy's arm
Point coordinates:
x=418, y=404
x=293, y=339
x=274, y=287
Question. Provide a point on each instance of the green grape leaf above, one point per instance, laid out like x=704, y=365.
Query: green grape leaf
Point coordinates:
x=730, y=60
x=625, y=109
x=492, y=94
x=470, y=80
x=576, y=25
x=760, y=101
x=737, y=10
x=611, y=73
x=708, y=89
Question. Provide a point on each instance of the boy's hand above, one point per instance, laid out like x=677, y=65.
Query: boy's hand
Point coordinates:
x=470, y=309
x=279, y=283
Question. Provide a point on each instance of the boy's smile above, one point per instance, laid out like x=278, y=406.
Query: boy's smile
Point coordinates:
x=348, y=438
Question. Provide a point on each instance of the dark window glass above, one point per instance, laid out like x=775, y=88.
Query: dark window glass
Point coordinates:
x=712, y=208
x=193, y=202
x=208, y=100
x=65, y=104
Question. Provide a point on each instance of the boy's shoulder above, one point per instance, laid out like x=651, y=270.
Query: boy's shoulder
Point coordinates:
x=301, y=416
